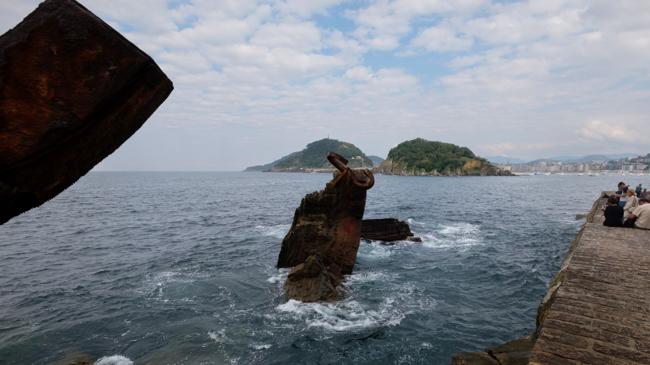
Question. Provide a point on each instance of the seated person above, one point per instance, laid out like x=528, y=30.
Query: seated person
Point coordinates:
x=613, y=213
x=630, y=204
x=641, y=215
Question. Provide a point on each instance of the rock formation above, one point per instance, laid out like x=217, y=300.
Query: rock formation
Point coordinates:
x=327, y=226
x=311, y=281
x=387, y=230
x=72, y=90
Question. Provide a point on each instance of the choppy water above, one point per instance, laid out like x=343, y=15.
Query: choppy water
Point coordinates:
x=178, y=268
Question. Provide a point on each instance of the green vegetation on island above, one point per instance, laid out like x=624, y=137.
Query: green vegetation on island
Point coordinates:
x=314, y=158
x=423, y=157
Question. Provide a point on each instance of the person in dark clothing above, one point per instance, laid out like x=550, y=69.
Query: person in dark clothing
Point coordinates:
x=639, y=191
x=613, y=213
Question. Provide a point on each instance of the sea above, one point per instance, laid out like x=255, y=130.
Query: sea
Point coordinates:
x=179, y=268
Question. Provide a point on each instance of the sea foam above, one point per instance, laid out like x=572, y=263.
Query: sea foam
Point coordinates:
x=455, y=236
x=348, y=315
x=114, y=360
x=276, y=231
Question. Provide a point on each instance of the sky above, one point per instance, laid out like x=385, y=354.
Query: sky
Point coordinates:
x=256, y=80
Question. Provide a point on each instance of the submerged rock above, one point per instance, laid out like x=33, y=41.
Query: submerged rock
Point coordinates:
x=328, y=222
x=387, y=230
x=72, y=90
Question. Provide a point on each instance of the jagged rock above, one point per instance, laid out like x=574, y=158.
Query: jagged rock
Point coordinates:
x=72, y=90
x=312, y=282
x=387, y=230
x=516, y=352
x=328, y=222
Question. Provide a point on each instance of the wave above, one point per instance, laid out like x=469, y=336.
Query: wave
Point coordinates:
x=217, y=336
x=368, y=276
x=375, y=251
x=278, y=277
x=455, y=235
x=156, y=285
x=348, y=315
x=114, y=360
x=276, y=231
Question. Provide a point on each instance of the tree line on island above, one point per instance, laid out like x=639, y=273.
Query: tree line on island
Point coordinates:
x=417, y=157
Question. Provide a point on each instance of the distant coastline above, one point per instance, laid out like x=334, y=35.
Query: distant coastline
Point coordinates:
x=417, y=157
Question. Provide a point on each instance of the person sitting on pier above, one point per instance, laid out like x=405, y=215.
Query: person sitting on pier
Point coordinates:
x=613, y=213
x=631, y=203
x=640, y=218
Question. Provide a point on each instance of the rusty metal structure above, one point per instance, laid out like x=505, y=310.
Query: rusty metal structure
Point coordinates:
x=328, y=222
x=72, y=90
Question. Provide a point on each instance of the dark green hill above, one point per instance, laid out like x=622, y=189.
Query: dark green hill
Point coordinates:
x=422, y=157
x=314, y=157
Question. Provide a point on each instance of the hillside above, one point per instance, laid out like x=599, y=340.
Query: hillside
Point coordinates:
x=422, y=157
x=314, y=157
x=376, y=160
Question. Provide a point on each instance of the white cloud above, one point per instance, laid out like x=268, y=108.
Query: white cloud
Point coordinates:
x=304, y=8
x=598, y=130
x=384, y=23
x=440, y=39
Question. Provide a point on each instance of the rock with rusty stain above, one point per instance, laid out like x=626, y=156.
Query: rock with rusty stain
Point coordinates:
x=72, y=90
x=328, y=222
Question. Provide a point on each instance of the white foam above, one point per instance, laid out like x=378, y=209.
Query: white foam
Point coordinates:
x=413, y=223
x=459, y=229
x=277, y=231
x=263, y=346
x=456, y=235
x=114, y=360
x=279, y=277
x=375, y=251
x=348, y=315
x=218, y=336
x=367, y=276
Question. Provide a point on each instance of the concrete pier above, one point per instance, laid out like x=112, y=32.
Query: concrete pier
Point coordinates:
x=597, y=308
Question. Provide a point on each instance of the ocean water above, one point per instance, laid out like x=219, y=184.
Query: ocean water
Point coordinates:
x=178, y=268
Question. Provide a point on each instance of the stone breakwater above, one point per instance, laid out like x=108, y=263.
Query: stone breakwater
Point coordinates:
x=597, y=308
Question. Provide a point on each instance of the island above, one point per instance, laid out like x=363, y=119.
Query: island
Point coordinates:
x=420, y=157
x=313, y=158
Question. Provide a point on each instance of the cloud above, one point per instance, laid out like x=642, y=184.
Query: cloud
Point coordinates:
x=598, y=130
x=441, y=39
x=515, y=77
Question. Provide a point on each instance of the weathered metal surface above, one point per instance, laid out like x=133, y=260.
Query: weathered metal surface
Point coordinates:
x=72, y=90
x=328, y=222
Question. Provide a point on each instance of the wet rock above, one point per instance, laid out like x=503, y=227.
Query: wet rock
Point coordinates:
x=473, y=358
x=311, y=281
x=328, y=222
x=515, y=352
x=72, y=90
x=387, y=230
